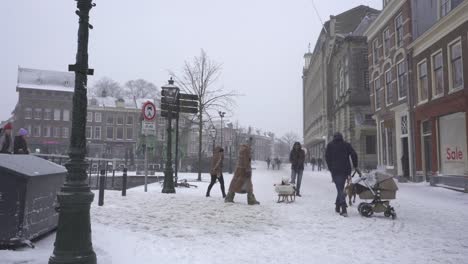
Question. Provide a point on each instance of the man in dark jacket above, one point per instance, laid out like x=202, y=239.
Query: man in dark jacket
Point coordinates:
x=337, y=157
x=297, y=157
x=6, y=142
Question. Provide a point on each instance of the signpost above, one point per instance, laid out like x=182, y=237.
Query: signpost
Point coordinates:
x=148, y=127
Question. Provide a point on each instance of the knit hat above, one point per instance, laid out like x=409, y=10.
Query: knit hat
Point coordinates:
x=22, y=132
x=8, y=126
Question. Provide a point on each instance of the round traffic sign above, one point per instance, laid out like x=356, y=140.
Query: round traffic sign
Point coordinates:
x=149, y=111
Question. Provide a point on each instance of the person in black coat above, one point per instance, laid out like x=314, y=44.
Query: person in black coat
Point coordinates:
x=297, y=157
x=20, y=146
x=337, y=157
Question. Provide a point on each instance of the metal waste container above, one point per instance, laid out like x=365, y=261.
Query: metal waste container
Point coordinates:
x=28, y=190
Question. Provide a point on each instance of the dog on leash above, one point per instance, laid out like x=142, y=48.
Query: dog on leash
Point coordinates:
x=350, y=190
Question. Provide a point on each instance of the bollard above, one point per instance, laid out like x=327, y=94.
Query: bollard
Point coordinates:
x=113, y=175
x=124, y=182
x=102, y=185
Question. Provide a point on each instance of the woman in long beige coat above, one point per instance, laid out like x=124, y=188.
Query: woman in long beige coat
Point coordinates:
x=217, y=170
x=242, y=180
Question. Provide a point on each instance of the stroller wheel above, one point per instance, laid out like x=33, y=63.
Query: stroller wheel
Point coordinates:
x=359, y=206
x=366, y=210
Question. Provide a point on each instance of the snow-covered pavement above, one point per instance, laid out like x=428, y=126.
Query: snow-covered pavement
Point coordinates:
x=190, y=228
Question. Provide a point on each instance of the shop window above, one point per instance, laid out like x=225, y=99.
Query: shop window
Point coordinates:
x=422, y=82
x=455, y=66
x=437, y=75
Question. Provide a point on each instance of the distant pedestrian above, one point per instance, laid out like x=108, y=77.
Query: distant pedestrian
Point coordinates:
x=297, y=157
x=278, y=163
x=313, y=161
x=337, y=157
x=6, y=142
x=20, y=145
x=242, y=180
x=217, y=170
x=268, y=160
x=319, y=164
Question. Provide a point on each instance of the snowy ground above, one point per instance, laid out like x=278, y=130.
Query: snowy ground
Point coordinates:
x=190, y=228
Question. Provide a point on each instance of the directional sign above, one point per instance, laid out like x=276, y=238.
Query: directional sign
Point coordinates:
x=149, y=111
x=164, y=113
x=188, y=96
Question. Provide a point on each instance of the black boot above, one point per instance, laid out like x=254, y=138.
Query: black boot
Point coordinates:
x=344, y=212
x=337, y=209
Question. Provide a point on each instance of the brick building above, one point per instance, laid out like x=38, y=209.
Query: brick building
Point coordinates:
x=439, y=86
x=388, y=39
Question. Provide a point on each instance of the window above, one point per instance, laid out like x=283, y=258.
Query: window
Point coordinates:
x=97, y=117
x=341, y=80
x=371, y=142
x=437, y=75
x=110, y=133
x=378, y=94
x=27, y=113
x=110, y=119
x=129, y=133
x=120, y=133
x=120, y=120
x=404, y=125
x=97, y=132
x=383, y=140
x=388, y=87
x=56, y=132
x=399, y=30
x=445, y=7
x=375, y=50
x=390, y=146
x=38, y=113
x=88, y=132
x=402, y=80
x=422, y=82
x=36, y=131
x=65, y=132
x=89, y=117
x=46, y=131
x=129, y=120
x=455, y=66
x=66, y=115
x=57, y=114
x=386, y=42
x=29, y=130
x=47, y=114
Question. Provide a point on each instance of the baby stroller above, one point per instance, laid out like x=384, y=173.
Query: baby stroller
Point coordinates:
x=382, y=189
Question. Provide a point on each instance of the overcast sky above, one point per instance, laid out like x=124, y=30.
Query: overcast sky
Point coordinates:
x=260, y=44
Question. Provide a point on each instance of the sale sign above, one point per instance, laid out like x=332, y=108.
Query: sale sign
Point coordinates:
x=452, y=137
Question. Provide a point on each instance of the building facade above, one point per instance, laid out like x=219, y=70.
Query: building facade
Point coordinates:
x=335, y=86
x=388, y=39
x=440, y=75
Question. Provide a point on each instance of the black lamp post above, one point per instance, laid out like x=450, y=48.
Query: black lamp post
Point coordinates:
x=170, y=93
x=73, y=243
x=221, y=114
x=213, y=135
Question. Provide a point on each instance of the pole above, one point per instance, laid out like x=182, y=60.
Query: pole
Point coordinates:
x=221, y=131
x=176, y=150
x=113, y=176
x=146, y=164
x=168, y=186
x=73, y=243
x=230, y=159
x=124, y=182
x=102, y=180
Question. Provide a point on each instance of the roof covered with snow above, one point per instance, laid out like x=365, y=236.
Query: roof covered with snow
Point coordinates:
x=29, y=165
x=45, y=80
x=114, y=102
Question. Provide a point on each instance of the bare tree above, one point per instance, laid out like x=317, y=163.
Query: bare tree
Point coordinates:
x=141, y=89
x=198, y=77
x=290, y=138
x=106, y=87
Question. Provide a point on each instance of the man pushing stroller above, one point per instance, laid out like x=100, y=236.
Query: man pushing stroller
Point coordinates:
x=337, y=157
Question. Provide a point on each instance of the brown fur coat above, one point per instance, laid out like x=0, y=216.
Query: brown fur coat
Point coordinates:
x=217, y=162
x=242, y=180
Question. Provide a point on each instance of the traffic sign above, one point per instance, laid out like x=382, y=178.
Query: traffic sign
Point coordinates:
x=149, y=111
x=148, y=128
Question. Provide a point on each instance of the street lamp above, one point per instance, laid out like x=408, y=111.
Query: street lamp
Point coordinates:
x=221, y=114
x=170, y=95
x=213, y=135
x=73, y=243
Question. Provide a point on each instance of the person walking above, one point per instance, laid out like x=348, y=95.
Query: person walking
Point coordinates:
x=217, y=170
x=313, y=161
x=337, y=157
x=6, y=142
x=268, y=160
x=297, y=157
x=242, y=180
x=20, y=145
x=319, y=164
